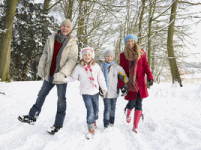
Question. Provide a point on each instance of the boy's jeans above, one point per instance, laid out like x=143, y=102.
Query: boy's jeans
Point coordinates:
x=92, y=106
x=61, y=103
x=109, y=111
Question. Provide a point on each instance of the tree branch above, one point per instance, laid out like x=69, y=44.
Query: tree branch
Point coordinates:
x=2, y=93
x=184, y=2
x=53, y=5
x=164, y=11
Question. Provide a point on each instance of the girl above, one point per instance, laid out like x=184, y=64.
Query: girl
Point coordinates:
x=89, y=73
x=134, y=62
x=112, y=72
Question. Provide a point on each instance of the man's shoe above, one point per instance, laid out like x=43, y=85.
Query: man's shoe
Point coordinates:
x=53, y=129
x=27, y=119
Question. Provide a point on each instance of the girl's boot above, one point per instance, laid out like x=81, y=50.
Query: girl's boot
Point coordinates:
x=128, y=117
x=137, y=116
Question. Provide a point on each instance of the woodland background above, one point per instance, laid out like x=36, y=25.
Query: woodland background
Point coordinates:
x=164, y=29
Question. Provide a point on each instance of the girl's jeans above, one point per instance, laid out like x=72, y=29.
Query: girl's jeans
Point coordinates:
x=92, y=106
x=109, y=111
x=61, y=103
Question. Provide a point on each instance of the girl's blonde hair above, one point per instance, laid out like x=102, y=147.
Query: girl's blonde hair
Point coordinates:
x=83, y=63
x=136, y=47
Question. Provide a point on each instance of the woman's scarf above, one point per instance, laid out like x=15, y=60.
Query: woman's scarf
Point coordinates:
x=133, y=60
x=105, y=70
x=60, y=37
x=63, y=40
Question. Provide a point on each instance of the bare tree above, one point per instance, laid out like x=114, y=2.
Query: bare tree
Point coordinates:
x=141, y=21
x=152, y=5
x=68, y=8
x=170, y=47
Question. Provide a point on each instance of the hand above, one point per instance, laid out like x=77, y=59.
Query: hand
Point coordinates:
x=101, y=92
x=150, y=82
x=124, y=90
x=59, y=76
x=65, y=80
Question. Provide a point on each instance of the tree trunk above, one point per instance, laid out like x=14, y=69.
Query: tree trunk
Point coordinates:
x=46, y=6
x=80, y=31
x=140, y=22
x=119, y=45
x=70, y=9
x=6, y=40
x=151, y=13
x=170, y=48
x=149, y=39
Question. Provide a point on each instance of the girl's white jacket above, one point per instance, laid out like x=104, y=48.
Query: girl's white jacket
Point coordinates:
x=86, y=86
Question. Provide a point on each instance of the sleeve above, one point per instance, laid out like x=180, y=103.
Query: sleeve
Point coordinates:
x=122, y=65
x=102, y=68
x=101, y=79
x=72, y=59
x=146, y=67
x=74, y=76
x=43, y=58
x=122, y=75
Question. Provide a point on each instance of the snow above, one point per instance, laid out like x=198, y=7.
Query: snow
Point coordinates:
x=171, y=120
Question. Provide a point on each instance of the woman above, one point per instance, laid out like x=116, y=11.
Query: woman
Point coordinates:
x=57, y=61
x=134, y=62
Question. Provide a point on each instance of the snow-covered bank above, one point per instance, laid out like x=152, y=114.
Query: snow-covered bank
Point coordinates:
x=171, y=120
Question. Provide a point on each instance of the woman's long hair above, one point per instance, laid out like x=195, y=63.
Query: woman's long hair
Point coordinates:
x=136, y=47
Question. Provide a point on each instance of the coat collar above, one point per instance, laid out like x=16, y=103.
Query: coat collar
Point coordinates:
x=52, y=39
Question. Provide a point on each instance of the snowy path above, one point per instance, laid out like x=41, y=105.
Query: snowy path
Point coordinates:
x=172, y=121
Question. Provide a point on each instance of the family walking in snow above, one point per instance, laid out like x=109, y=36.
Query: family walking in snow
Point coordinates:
x=56, y=68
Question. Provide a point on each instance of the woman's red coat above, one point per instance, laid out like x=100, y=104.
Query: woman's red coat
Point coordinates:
x=142, y=69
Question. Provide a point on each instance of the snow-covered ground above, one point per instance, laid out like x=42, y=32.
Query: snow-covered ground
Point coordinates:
x=171, y=120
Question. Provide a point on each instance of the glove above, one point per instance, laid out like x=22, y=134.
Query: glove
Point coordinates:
x=101, y=93
x=41, y=72
x=59, y=76
x=150, y=82
x=124, y=90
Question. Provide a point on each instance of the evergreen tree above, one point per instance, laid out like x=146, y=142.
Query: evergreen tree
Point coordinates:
x=27, y=44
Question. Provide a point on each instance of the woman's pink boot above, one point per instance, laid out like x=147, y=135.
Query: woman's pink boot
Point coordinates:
x=128, y=117
x=137, y=116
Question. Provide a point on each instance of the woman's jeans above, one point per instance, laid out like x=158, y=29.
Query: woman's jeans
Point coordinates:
x=92, y=106
x=61, y=103
x=137, y=104
x=109, y=111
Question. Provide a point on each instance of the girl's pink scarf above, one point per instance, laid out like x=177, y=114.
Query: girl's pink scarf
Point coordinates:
x=89, y=71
